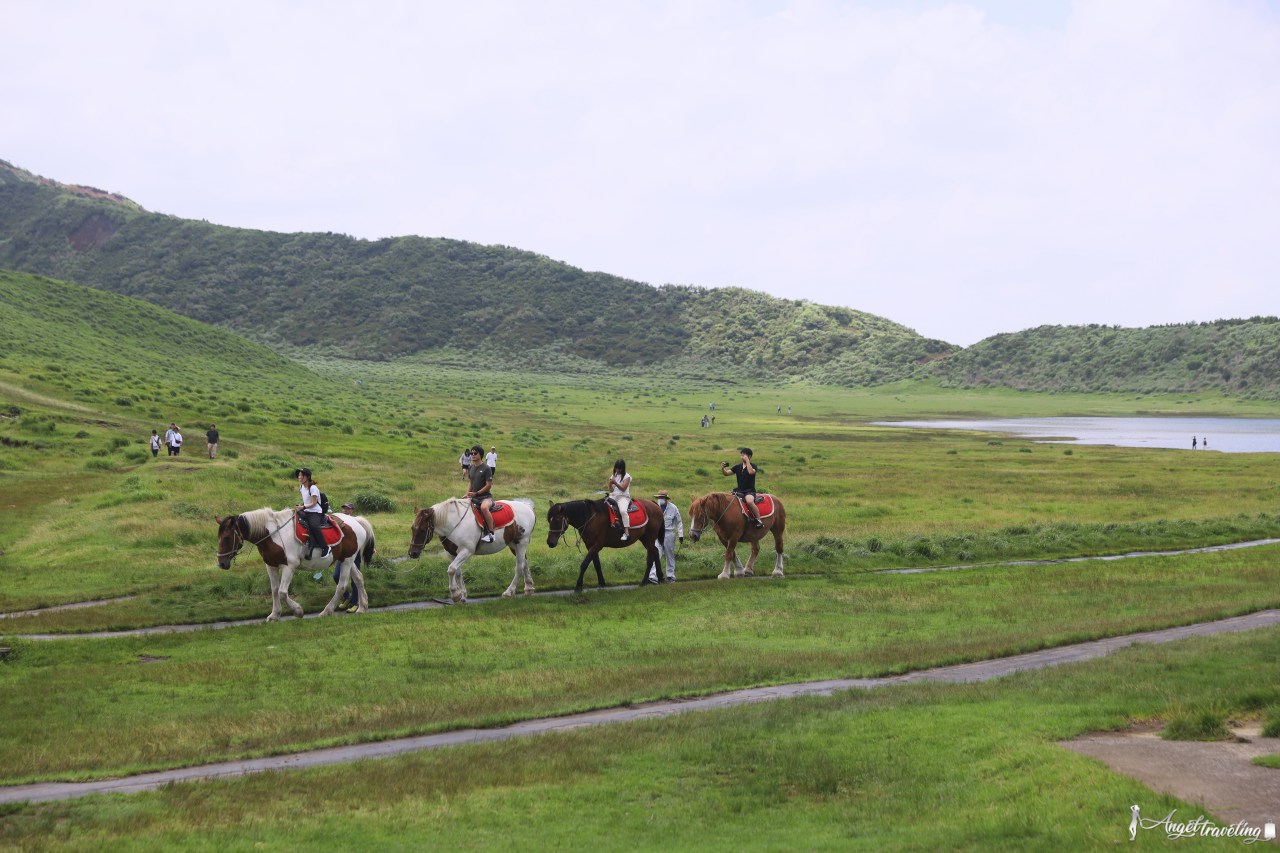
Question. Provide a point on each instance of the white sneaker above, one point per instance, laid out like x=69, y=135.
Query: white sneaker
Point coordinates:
x=624, y=536
x=488, y=537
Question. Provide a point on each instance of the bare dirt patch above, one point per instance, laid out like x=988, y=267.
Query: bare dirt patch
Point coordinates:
x=1217, y=775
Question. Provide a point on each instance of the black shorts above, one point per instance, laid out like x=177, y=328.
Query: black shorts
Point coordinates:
x=743, y=494
x=478, y=500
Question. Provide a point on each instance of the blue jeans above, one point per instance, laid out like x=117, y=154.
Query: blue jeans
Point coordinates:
x=351, y=595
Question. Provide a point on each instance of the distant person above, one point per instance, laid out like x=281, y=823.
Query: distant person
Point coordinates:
x=465, y=461
x=674, y=530
x=175, y=442
x=779, y=408
x=745, y=471
x=491, y=459
x=713, y=420
x=619, y=488
x=310, y=513
x=168, y=438
x=1204, y=445
x=155, y=444
x=481, y=493
x=211, y=437
x=351, y=601
x=1193, y=442
x=788, y=410
x=706, y=421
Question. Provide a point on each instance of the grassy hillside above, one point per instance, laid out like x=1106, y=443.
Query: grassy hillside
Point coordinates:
x=1239, y=357
x=399, y=296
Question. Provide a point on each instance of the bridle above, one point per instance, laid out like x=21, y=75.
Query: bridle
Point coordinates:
x=701, y=515
x=235, y=529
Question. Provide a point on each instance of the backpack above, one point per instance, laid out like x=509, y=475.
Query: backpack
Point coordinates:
x=324, y=503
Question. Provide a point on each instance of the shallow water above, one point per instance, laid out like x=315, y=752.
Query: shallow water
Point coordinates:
x=1225, y=435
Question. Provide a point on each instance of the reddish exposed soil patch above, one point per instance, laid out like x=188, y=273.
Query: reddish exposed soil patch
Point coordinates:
x=92, y=233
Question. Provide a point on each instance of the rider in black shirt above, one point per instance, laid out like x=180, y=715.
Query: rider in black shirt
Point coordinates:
x=746, y=472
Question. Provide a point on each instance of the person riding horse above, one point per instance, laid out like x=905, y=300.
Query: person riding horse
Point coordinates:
x=619, y=488
x=481, y=493
x=310, y=513
x=746, y=472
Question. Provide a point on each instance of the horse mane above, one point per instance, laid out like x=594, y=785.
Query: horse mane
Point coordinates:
x=579, y=511
x=259, y=521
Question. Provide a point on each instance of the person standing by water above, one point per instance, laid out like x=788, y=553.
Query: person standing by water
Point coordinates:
x=619, y=488
x=746, y=472
x=310, y=513
x=1193, y=442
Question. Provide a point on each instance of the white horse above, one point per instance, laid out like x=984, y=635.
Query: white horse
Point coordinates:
x=273, y=532
x=454, y=521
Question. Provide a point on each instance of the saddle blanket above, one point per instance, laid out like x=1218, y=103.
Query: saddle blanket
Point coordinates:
x=501, y=511
x=332, y=533
x=764, y=505
x=636, y=516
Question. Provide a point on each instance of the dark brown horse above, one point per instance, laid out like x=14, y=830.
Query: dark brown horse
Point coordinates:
x=722, y=511
x=591, y=520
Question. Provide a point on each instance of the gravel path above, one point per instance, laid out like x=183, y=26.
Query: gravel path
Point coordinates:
x=962, y=673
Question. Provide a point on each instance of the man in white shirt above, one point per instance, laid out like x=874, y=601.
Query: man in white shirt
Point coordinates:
x=491, y=459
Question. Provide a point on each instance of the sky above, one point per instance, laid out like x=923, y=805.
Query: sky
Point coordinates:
x=961, y=167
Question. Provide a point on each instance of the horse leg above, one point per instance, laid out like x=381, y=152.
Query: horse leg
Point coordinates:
x=286, y=577
x=599, y=573
x=339, y=589
x=750, y=570
x=730, y=558
x=362, y=598
x=273, y=572
x=457, y=588
x=521, y=549
x=777, y=546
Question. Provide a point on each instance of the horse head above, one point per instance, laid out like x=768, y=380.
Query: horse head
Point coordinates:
x=232, y=531
x=697, y=518
x=424, y=527
x=557, y=524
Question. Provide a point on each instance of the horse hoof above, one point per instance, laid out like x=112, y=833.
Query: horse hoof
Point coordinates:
x=777, y=573
x=508, y=593
x=528, y=590
x=723, y=576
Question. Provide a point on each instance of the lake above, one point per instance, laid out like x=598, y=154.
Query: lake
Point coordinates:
x=1226, y=435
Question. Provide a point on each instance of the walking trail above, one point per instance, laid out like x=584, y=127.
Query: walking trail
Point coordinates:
x=959, y=674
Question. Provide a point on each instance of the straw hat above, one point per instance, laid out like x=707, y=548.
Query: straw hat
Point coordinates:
x=663, y=494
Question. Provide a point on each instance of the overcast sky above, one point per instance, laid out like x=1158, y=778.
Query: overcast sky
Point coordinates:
x=964, y=168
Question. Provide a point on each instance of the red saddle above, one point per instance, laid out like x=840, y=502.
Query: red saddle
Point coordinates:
x=764, y=506
x=636, y=516
x=501, y=511
x=332, y=533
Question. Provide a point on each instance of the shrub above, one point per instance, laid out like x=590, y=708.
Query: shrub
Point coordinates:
x=1202, y=724
x=367, y=502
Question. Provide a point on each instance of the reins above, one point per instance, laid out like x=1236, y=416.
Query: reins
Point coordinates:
x=243, y=539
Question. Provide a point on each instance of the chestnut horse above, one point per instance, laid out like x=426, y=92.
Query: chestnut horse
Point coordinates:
x=591, y=520
x=273, y=532
x=722, y=511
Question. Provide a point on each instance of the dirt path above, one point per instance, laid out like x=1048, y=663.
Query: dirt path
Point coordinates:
x=1216, y=775
x=962, y=673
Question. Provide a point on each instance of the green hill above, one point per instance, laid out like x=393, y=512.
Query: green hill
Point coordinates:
x=1239, y=357
x=68, y=343
x=400, y=296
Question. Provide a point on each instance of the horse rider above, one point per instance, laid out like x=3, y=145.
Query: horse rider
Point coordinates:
x=746, y=472
x=310, y=513
x=619, y=488
x=481, y=493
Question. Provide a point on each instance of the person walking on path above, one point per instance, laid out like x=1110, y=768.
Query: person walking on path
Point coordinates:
x=465, y=461
x=481, y=493
x=212, y=438
x=674, y=530
x=351, y=601
x=746, y=472
x=175, y=442
x=310, y=513
x=168, y=438
x=619, y=489
x=155, y=444
x=491, y=459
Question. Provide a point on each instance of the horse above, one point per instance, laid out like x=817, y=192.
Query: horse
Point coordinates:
x=591, y=520
x=273, y=532
x=454, y=520
x=722, y=511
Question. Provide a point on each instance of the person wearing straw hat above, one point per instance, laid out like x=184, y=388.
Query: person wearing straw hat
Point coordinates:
x=674, y=530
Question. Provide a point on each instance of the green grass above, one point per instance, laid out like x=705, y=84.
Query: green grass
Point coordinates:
x=917, y=767
x=262, y=689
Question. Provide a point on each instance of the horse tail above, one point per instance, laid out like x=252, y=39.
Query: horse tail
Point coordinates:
x=367, y=554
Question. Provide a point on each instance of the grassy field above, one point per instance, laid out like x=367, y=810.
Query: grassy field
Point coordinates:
x=90, y=515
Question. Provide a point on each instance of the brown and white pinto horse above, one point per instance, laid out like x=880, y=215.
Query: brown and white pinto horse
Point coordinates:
x=723, y=511
x=591, y=520
x=454, y=521
x=273, y=532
